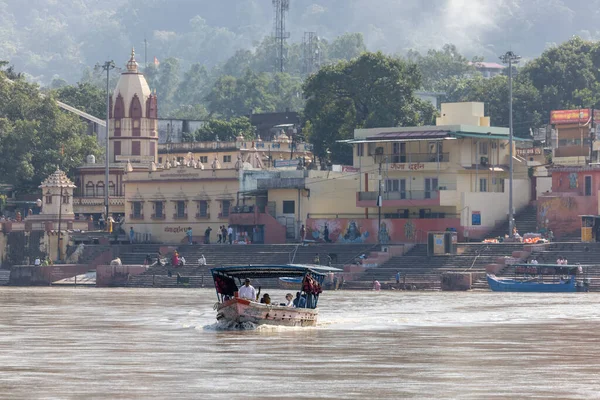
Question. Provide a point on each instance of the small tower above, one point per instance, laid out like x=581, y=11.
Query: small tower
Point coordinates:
x=133, y=118
x=57, y=192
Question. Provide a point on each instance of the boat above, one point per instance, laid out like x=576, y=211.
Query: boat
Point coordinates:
x=541, y=278
x=233, y=309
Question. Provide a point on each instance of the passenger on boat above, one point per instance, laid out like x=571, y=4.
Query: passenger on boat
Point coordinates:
x=300, y=300
x=533, y=261
x=266, y=299
x=247, y=291
x=289, y=300
x=316, y=260
x=559, y=260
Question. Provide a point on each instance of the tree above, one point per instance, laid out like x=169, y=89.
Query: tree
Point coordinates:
x=346, y=47
x=438, y=66
x=371, y=91
x=566, y=76
x=224, y=130
x=85, y=97
x=36, y=137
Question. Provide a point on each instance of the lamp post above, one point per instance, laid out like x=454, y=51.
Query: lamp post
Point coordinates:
x=510, y=58
x=107, y=66
x=379, y=158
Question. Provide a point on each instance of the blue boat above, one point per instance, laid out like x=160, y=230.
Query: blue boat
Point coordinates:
x=540, y=278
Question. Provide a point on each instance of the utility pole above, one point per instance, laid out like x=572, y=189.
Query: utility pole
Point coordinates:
x=510, y=58
x=107, y=66
x=145, y=54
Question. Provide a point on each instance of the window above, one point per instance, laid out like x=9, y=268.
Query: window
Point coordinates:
x=483, y=148
x=588, y=185
x=396, y=185
x=118, y=124
x=65, y=199
x=117, y=149
x=159, y=209
x=483, y=184
x=100, y=189
x=225, y=205
x=289, y=206
x=135, y=148
x=152, y=148
x=48, y=198
x=360, y=149
x=111, y=188
x=90, y=189
x=204, y=159
x=226, y=159
x=203, y=209
x=180, y=209
x=137, y=209
x=431, y=185
x=160, y=160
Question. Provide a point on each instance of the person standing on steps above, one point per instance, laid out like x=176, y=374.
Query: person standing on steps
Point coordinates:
x=207, y=235
x=190, y=235
x=224, y=233
x=302, y=233
x=131, y=235
x=230, y=234
x=220, y=234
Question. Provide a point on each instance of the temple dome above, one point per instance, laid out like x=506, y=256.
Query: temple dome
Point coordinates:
x=131, y=83
x=57, y=179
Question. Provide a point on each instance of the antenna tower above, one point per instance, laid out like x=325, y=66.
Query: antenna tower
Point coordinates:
x=312, y=55
x=282, y=7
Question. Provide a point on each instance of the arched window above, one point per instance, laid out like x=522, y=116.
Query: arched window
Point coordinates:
x=100, y=189
x=111, y=188
x=48, y=197
x=65, y=199
x=119, y=113
x=90, y=189
x=135, y=112
x=151, y=107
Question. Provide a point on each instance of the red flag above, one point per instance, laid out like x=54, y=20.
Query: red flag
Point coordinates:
x=156, y=61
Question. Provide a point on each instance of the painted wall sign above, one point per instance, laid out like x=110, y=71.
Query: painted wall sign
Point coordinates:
x=286, y=163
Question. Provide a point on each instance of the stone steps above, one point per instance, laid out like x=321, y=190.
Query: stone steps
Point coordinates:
x=4, y=277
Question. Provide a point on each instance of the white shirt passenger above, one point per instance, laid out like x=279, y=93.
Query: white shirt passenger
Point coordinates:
x=247, y=292
x=37, y=262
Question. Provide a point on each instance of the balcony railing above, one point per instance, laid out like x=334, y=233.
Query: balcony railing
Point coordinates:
x=402, y=195
x=413, y=215
x=417, y=158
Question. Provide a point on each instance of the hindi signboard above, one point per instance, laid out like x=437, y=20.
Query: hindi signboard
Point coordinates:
x=580, y=116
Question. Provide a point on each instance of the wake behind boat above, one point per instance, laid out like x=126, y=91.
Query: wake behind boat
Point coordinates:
x=233, y=308
x=541, y=278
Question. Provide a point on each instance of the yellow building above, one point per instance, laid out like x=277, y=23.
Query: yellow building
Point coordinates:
x=450, y=176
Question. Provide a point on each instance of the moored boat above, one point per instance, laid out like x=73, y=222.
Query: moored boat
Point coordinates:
x=232, y=308
x=541, y=278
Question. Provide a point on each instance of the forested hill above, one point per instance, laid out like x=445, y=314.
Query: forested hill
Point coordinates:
x=49, y=38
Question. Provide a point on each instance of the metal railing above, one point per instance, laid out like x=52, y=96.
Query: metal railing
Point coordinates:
x=417, y=158
x=413, y=215
x=405, y=195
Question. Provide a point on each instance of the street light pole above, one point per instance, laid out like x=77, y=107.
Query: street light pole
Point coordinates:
x=379, y=157
x=107, y=66
x=510, y=58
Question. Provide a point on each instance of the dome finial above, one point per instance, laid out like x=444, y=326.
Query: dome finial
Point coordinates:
x=132, y=65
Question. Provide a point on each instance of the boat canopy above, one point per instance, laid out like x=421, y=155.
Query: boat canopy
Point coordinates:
x=272, y=271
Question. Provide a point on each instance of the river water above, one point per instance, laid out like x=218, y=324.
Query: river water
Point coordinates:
x=77, y=343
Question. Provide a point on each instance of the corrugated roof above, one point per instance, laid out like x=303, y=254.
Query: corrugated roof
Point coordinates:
x=410, y=135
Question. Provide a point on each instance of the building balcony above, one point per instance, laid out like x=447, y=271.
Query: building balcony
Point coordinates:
x=416, y=198
x=203, y=215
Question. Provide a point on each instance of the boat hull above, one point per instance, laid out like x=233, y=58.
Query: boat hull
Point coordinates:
x=241, y=310
x=511, y=285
